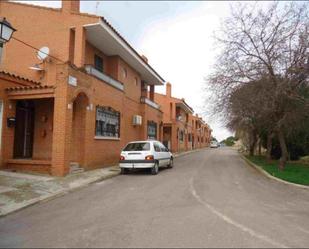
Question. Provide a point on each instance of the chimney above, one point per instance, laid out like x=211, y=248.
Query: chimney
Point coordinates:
x=168, y=89
x=70, y=6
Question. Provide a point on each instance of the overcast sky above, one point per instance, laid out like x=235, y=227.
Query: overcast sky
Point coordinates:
x=177, y=38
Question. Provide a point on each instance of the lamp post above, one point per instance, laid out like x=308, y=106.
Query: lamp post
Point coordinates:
x=6, y=30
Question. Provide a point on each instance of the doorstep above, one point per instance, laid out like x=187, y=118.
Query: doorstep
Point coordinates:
x=32, y=165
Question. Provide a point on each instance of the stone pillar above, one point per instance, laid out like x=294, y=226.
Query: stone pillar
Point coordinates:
x=80, y=46
x=161, y=132
x=143, y=89
x=7, y=143
x=174, y=139
x=151, y=92
x=62, y=126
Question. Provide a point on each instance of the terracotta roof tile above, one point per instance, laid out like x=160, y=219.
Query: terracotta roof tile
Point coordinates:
x=19, y=77
x=21, y=88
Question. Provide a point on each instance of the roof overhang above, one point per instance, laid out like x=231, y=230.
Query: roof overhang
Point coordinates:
x=16, y=79
x=30, y=92
x=185, y=107
x=103, y=37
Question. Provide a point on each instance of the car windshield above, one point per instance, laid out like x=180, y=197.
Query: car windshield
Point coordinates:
x=137, y=147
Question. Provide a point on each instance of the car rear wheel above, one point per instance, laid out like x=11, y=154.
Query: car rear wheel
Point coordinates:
x=155, y=169
x=171, y=164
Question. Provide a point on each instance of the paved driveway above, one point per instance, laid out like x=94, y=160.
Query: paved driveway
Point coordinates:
x=210, y=198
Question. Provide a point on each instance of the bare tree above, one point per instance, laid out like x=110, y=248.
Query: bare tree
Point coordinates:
x=250, y=109
x=257, y=42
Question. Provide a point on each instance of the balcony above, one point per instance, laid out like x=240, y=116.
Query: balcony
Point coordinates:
x=102, y=76
x=150, y=103
x=182, y=120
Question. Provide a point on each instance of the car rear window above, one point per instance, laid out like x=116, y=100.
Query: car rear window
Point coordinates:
x=137, y=147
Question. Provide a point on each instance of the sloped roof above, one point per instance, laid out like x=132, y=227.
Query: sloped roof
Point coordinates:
x=18, y=77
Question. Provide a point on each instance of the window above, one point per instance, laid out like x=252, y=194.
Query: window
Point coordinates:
x=152, y=130
x=107, y=122
x=124, y=73
x=181, y=136
x=98, y=63
x=163, y=148
x=156, y=147
x=137, y=147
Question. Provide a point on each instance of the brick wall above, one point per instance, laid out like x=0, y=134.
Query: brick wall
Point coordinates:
x=43, y=129
x=68, y=133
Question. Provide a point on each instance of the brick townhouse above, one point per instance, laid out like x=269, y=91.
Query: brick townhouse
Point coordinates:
x=182, y=130
x=201, y=135
x=80, y=104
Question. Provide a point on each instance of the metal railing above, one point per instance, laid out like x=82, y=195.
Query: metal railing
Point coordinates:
x=102, y=76
x=150, y=103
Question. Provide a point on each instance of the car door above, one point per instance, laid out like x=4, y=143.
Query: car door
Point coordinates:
x=157, y=153
x=165, y=154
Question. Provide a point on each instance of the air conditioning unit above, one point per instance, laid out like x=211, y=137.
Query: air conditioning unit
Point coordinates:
x=137, y=120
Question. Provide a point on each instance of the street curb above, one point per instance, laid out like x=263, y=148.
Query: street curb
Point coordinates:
x=188, y=152
x=57, y=194
x=262, y=171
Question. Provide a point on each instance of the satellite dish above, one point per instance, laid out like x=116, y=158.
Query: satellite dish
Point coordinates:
x=43, y=53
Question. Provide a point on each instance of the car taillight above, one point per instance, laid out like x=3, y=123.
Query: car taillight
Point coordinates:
x=150, y=157
x=122, y=158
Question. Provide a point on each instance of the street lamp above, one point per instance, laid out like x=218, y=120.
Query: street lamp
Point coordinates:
x=6, y=30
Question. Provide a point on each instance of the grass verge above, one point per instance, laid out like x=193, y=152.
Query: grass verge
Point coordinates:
x=293, y=172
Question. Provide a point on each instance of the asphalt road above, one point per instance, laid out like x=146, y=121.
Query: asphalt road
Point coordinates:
x=210, y=198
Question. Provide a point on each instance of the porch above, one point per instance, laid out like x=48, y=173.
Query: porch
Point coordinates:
x=34, y=132
x=29, y=113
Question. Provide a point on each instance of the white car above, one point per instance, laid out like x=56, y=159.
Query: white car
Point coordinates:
x=145, y=155
x=214, y=144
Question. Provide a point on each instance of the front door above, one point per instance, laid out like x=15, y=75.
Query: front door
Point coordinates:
x=24, y=129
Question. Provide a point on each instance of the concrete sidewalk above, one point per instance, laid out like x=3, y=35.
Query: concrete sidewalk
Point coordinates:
x=21, y=190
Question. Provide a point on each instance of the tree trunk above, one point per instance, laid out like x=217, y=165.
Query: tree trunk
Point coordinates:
x=269, y=146
x=260, y=147
x=252, y=144
x=284, y=150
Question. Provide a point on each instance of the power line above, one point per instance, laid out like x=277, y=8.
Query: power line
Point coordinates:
x=28, y=45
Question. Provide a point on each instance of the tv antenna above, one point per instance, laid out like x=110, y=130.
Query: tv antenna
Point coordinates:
x=97, y=7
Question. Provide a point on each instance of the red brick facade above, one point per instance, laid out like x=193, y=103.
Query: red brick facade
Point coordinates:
x=60, y=106
x=182, y=130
